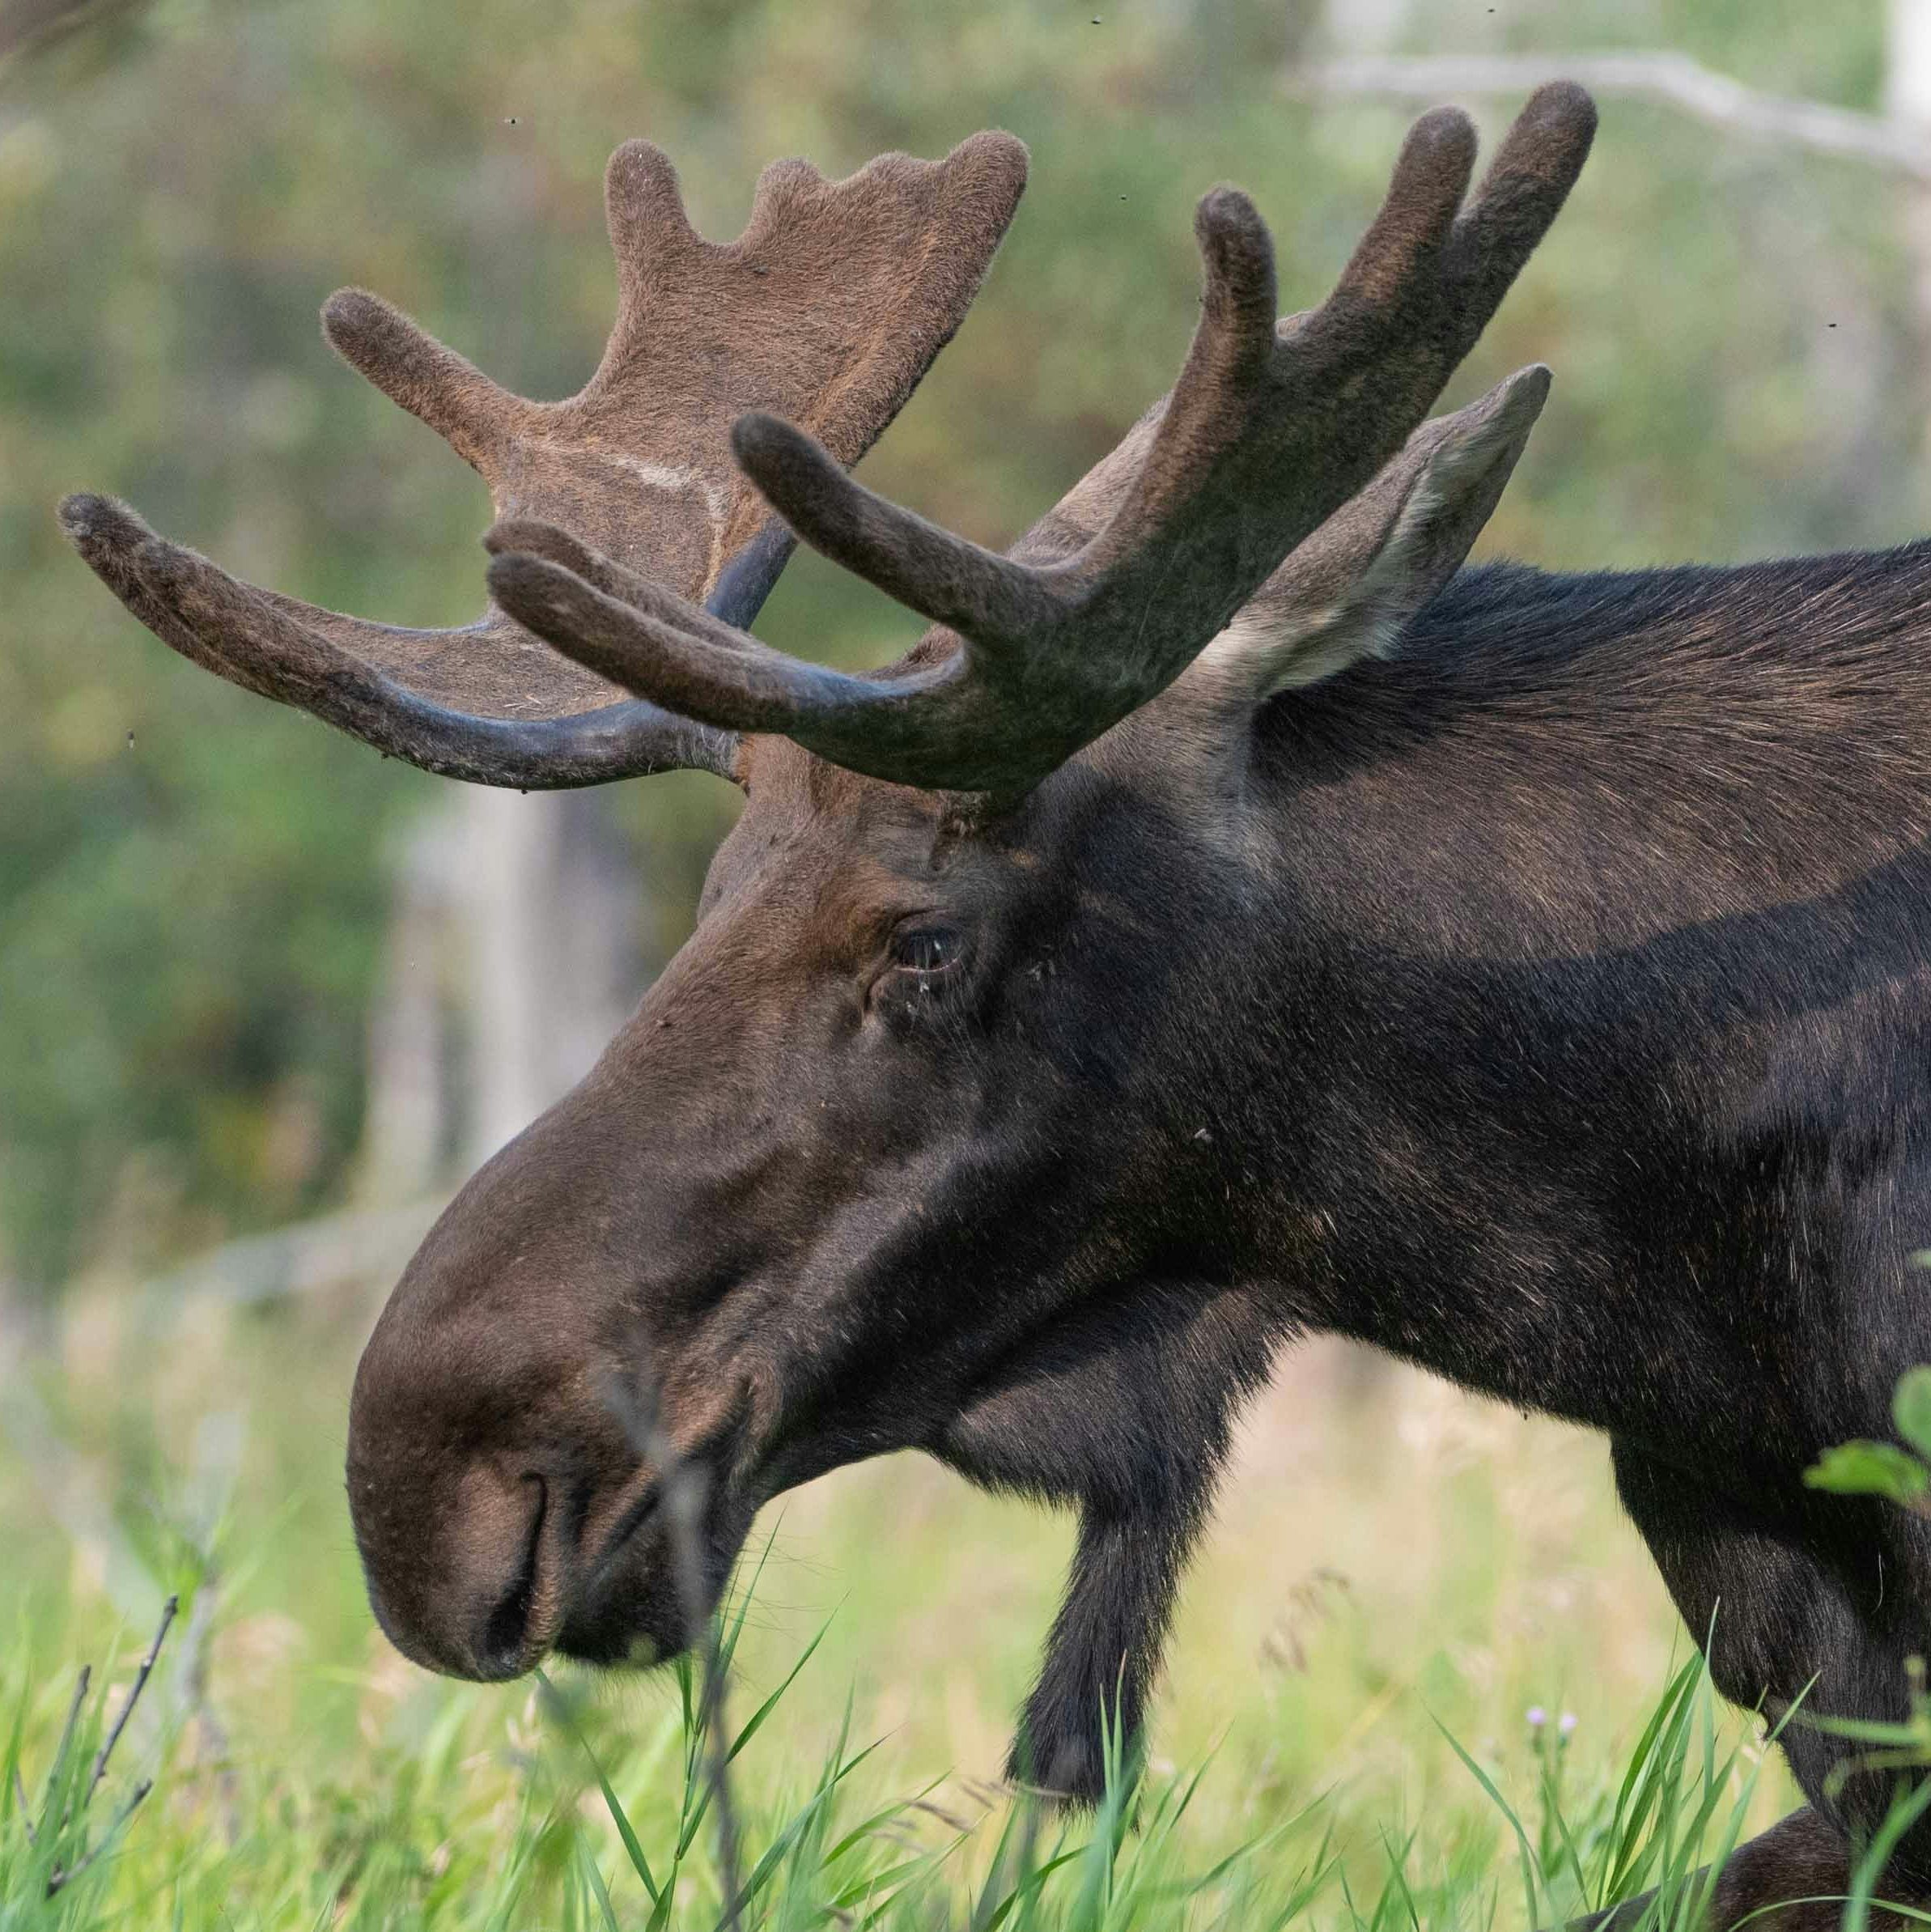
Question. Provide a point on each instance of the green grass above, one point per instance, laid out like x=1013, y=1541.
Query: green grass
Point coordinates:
x=1398, y=1576
x=586, y=1824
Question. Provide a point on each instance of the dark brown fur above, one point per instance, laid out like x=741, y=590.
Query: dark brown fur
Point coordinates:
x=1544, y=1002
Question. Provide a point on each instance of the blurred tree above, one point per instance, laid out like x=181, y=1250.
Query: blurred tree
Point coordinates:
x=516, y=952
x=30, y=27
x=1908, y=101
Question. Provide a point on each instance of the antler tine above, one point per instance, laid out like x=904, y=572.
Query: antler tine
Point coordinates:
x=828, y=309
x=115, y=543
x=919, y=714
x=190, y=603
x=1270, y=428
x=679, y=650
x=1523, y=193
x=643, y=208
x=478, y=418
x=1218, y=412
x=988, y=597
x=1418, y=214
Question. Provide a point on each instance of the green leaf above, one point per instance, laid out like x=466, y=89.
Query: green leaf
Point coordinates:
x=595, y=1877
x=1525, y=1856
x=1910, y=1409
x=1870, y=1469
x=638, y=1863
x=770, y=1704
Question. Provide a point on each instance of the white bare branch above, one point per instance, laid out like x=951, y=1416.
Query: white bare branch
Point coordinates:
x=1674, y=78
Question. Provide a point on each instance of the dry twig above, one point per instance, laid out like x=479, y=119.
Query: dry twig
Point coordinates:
x=62, y=1876
x=133, y=1697
x=680, y=1491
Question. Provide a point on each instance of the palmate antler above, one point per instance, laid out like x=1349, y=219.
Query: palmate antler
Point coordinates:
x=1269, y=429
x=827, y=309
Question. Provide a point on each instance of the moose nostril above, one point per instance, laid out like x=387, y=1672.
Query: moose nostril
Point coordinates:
x=507, y=1628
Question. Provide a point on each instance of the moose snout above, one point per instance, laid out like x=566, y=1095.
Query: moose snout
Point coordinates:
x=497, y=1520
x=503, y=1468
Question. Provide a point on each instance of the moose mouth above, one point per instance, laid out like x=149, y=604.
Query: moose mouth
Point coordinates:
x=642, y=1599
x=639, y=1516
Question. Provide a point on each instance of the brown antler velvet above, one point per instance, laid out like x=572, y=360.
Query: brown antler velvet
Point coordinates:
x=828, y=309
x=1270, y=427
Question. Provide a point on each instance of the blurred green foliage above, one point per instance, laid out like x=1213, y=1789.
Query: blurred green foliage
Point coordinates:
x=192, y=883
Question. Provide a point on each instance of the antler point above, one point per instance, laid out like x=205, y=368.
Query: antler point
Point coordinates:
x=1227, y=210
x=996, y=152
x=81, y=513
x=759, y=439
x=1446, y=126
x=1562, y=100
x=1239, y=253
x=350, y=311
x=643, y=203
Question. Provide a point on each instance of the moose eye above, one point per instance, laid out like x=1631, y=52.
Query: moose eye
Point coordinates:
x=928, y=950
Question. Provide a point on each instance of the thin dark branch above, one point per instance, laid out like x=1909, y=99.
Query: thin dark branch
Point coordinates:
x=60, y=1877
x=58, y=1880
x=194, y=1702
x=682, y=1493
x=1674, y=78
x=132, y=1698
x=66, y=1743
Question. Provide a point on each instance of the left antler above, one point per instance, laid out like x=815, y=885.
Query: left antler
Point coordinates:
x=829, y=307
x=1269, y=430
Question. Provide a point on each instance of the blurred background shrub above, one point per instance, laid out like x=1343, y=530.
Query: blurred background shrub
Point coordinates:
x=248, y=971
x=252, y=975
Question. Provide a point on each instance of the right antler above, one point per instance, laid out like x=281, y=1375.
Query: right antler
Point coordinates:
x=1268, y=430
x=829, y=307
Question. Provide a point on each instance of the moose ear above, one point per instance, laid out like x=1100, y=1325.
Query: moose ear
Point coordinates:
x=1351, y=588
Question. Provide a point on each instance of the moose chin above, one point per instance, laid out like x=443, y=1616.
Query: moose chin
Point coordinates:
x=1236, y=917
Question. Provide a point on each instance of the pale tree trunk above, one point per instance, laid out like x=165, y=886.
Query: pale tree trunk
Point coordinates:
x=551, y=947
x=513, y=957
x=409, y=1125
x=1908, y=101
x=516, y=953
x=1907, y=63
x=508, y=853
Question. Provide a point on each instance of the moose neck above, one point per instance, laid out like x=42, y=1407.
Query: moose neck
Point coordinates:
x=1551, y=766
x=1521, y=920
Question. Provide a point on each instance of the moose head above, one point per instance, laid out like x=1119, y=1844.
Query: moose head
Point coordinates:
x=953, y=1127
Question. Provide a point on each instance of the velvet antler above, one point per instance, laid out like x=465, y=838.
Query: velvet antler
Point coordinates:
x=828, y=309
x=1270, y=427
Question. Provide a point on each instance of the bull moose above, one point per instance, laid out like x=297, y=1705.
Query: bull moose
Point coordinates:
x=1234, y=918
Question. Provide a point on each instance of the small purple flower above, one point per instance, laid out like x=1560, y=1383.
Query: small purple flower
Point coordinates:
x=1538, y=1717
x=1567, y=1723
